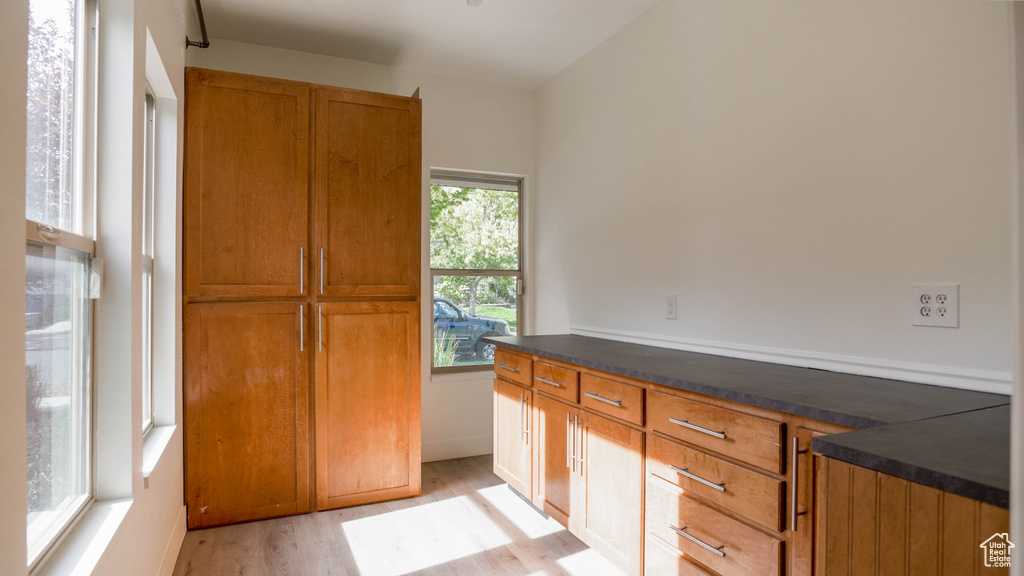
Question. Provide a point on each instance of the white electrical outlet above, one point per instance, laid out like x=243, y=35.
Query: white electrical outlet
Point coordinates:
x=936, y=305
x=671, y=311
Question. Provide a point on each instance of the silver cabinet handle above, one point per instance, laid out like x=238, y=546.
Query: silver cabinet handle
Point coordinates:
x=576, y=432
x=302, y=329
x=720, y=486
x=509, y=368
x=320, y=327
x=699, y=542
x=568, y=442
x=302, y=269
x=321, y=270
x=524, y=422
x=616, y=403
x=546, y=381
x=793, y=484
x=686, y=424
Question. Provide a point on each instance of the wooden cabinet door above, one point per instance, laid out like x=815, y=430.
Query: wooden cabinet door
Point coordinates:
x=368, y=189
x=367, y=402
x=247, y=413
x=246, y=186
x=607, y=512
x=512, y=452
x=554, y=460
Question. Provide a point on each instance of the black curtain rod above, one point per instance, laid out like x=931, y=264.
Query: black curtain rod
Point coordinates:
x=202, y=28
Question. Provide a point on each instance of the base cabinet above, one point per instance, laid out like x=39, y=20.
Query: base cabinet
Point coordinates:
x=367, y=402
x=512, y=453
x=878, y=525
x=247, y=413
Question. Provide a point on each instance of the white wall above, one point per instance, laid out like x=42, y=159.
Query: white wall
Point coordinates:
x=790, y=170
x=13, y=58
x=466, y=126
x=146, y=540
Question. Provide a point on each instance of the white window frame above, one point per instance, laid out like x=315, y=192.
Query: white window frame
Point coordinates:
x=148, y=222
x=81, y=239
x=481, y=180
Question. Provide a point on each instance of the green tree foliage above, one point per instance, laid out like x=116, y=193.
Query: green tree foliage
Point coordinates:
x=474, y=229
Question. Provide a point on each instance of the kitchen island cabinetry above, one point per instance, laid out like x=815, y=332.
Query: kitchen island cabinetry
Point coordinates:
x=676, y=463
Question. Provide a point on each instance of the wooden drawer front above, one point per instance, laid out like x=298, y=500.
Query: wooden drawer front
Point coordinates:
x=512, y=367
x=556, y=381
x=661, y=560
x=613, y=398
x=752, y=439
x=752, y=494
x=744, y=551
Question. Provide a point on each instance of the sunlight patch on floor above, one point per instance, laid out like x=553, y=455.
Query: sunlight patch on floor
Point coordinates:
x=588, y=563
x=525, y=518
x=416, y=538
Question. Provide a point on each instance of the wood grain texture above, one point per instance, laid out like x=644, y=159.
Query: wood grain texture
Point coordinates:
x=609, y=505
x=513, y=367
x=367, y=402
x=512, y=443
x=247, y=413
x=466, y=522
x=246, y=185
x=748, y=551
x=876, y=524
x=566, y=381
x=752, y=494
x=801, y=540
x=630, y=398
x=553, y=461
x=751, y=439
x=368, y=191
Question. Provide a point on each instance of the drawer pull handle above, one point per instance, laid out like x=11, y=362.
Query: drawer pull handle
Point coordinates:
x=720, y=486
x=697, y=541
x=509, y=368
x=546, y=381
x=686, y=424
x=616, y=403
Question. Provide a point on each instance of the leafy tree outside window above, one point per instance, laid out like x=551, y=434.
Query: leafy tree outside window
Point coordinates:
x=476, y=263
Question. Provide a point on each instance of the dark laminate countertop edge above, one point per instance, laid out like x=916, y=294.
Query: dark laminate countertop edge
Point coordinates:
x=749, y=399
x=900, y=469
x=925, y=475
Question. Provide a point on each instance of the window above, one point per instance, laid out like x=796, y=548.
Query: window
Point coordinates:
x=149, y=173
x=58, y=256
x=476, y=265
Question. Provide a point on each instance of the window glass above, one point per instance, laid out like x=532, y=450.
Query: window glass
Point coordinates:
x=51, y=146
x=475, y=257
x=57, y=391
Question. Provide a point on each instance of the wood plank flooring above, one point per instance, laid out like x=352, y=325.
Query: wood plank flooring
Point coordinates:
x=467, y=522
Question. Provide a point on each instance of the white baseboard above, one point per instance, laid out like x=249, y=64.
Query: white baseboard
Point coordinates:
x=174, y=544
x=457, y=448
x=978, y=380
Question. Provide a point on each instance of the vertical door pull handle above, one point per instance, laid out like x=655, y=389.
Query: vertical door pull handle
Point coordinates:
x=302, y=269
x=793, y=484
x=320, y=328
x=568, y=442
x=321, y=270
x=302, y=330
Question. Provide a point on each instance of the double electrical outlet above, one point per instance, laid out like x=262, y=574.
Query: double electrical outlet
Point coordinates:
x=936, y=305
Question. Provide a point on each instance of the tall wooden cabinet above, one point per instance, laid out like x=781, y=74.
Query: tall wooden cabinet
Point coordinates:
x=300, y=201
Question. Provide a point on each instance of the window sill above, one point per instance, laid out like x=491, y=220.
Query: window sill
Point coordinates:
x=474, y=375
x=153, y=446
x=82, y=548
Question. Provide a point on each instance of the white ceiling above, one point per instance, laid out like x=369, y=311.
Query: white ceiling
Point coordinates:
x=519, y=43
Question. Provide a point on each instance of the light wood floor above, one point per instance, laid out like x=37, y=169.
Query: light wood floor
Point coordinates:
x=467, y=522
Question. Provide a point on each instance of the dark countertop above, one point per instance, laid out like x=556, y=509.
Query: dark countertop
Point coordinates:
x=906, y=429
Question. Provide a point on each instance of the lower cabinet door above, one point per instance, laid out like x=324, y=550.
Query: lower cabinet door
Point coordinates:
x=512, y=443
x=607, y=514
x=554, y=458
x=247, y=412
x=367, y=402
